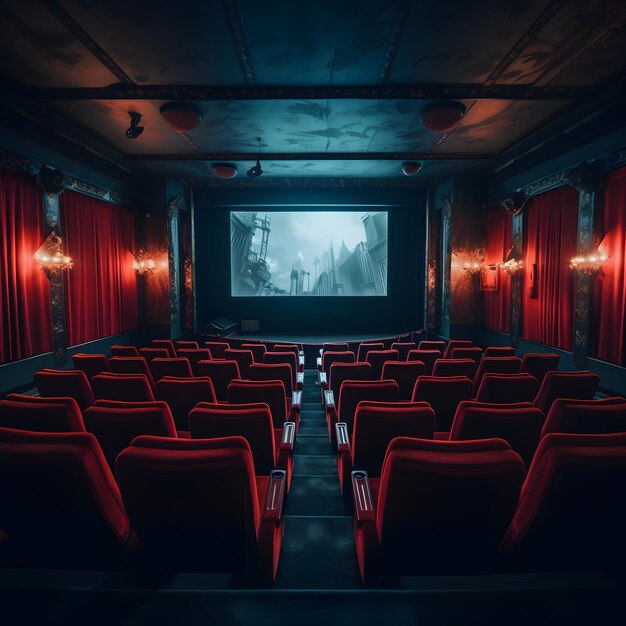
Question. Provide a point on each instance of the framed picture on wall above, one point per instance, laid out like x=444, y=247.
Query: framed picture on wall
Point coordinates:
x=489, y=278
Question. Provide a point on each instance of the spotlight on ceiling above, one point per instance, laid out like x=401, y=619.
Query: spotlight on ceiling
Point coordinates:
x=224, y=170
x=441, y=117
x=181, y=116
x=134, y=130
x=255, y=170
x=411, y=168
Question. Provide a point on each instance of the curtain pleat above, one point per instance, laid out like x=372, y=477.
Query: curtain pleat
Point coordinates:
x=499, y=241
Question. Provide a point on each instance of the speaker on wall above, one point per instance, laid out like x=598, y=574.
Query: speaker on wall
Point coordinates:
x=222, y=326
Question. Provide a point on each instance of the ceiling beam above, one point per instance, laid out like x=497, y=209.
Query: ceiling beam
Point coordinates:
x=431, y=91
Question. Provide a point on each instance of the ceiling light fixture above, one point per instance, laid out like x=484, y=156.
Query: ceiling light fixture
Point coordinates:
x=411, y=168
x=442, y=117
x=134, y=130
x=224, y=170
x=181, y=116
x=256, y=170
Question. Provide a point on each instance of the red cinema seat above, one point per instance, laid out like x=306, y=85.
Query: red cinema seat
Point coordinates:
x=167, y=344
x=131, y=365
x=507, y=388
x=244, y=360
x=444, y=395
x=195, y=355
x=124, y=351
x=571, y=511
x=365, y=347
x=197, y=504
x=455, y=367
x=122, y=387
x=61, y=506
x=497, y=351
x=607, y=415
x=154, y=353
x=178, y=367
x=278, y=371
x=116, y=424
x=378, y=358
x=580, y=385
x=456, y=343
x=472, y=352
x=65, y=384
x=495, y=365
x=182, y=395
x=48, y=415
x=185, y=345
x=221, y=374
x=347, y=371
x=335, y=346
x=439, y=507
x=427, y=357
x=539, y=364
x=91, y=364
x=277, y=358
x=405, y=373
x=287, y=347
x=518, y=424
x=272, y=392
x=403, y=349
x=432, y=345
x=329, y=357
x=217, y=348
x=375, y=425
x=257, y=349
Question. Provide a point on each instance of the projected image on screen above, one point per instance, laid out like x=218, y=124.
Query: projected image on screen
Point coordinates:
x=306, y=253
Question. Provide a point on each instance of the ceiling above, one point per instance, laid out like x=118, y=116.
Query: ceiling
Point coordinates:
x=334, y=88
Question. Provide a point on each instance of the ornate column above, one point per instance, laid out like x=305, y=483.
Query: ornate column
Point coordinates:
x=446, y=258
x=173, y=206
x=517, y=223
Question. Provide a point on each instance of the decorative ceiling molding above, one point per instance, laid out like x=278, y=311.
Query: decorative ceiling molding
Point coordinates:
x=239, y=41
x=402, y=13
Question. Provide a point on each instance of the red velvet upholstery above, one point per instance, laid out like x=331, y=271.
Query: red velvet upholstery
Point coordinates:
x=257, y=349
x=347, y=371
x=124, y=351
x=441, y=506
x=472, y=352
x=196, y=504
x=330, y=357
x=116, y=424
x=91, y=364
x=65, y=383
x=403, y=349
x=507, y=388
x=427, y=357
x=177, y=366
x=221, y=374
x=182, y=395
x=168, y=344
x=60, y=504
x=607, y=415
x=571, y=511
x=217, y=348
x=354, y=391
x=287, y=347
x=131, y=365
x=499, y=351
x=195, y=355
x=432, y=345
x=185, y=345
x=335, y=346
x=518, y=424
x=365, y=347
x=277, y=358
x=123, y=387
x=539, y=364
x=378, y=358
x=272, y=392
x=154, y=353
x=495, y=365
x=580, y=385
x=444, y=395
x=244, y=360
x=455, y=367
x=456, y=343
x=50, y=415
x=270, y=371
x=405, y=373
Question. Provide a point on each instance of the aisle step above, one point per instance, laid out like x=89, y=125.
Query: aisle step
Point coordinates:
x=308, y=464
x=316, y=495
x=313, y=444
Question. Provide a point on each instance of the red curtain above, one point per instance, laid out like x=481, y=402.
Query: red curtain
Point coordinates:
x=25, y=317
x=551, y=225
x=499, y=241
x=101, y=290
x=609, y=302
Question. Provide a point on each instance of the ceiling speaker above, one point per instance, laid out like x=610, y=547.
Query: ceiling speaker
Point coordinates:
x=441, y=117
x=224, y=170
x=411, y=168
x=181, y=116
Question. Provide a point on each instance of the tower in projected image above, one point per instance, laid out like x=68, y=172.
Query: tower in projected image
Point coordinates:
x=297, y=277
x=250, y=271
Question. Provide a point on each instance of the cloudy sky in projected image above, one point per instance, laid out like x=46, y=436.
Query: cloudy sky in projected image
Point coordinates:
x=309, y=233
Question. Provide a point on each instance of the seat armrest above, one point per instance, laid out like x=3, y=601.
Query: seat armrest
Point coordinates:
x=299, y=380
x=289, y=436
x=343, y=438
x=321, y=351
x=329, y=399
x=301, y=360
x=296, y=400
x=273, y=509
x=319, y=362
x=322, y=379
x=363, y=503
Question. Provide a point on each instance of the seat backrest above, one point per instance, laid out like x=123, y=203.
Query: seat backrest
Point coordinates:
x=405, y=373
x=472, y=352
x=580, y=385
x=195, y=355
x=221, y=373
x=244, y=359
x=378, y=358
x=287, y=347
x=272, y=392
x=253, y=422
x=217, y=348
x=275, y=358
x=60, y=503
x=377, y=423
x=365, y=347
x=445, y=503
x=495, y=365
x=193, y=502
x=182, y=395
x=168, y=344
x=335, y=346
x=538, y=364
x=347, y=371
x=123, y=387
x=91, y=364
x=571, y=509
x=432, y=345
x=499, y=351
x=131, y=365
x=607, y=415
x=115, y=426
x=65, y=384
x=518, y=424
x=354, y=391
x=427, y=357
x=49, y=415
x=329, y=357
x=455, y=367
x=124, y=351
x=403, y=349
x=154, y=353
x=456, y=343
x=507, y=388
x=257, y=349
x=177, y=366
x=186, y=345
x=273, y=371
x=444, y=395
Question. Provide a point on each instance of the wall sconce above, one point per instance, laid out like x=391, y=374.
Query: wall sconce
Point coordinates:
x=143, y=264
x=512, y=266
x=474, y=262
x=589, y=264
x=50, y=256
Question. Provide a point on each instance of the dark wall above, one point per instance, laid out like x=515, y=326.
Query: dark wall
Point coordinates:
x=402, y=309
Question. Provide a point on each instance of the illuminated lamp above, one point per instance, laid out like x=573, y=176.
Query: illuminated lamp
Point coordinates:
x=50, y=256
x=411, y=168
x=181, y=116
x=441, y=117
x=224, y=170
x=589, y=264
